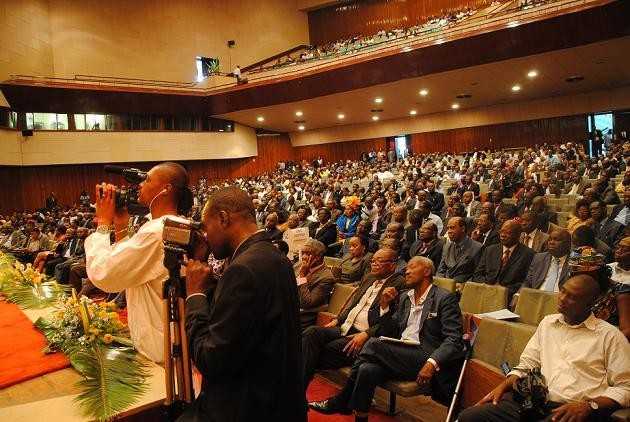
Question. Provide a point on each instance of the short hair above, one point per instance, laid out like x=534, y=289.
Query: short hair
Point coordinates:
x=318, y=247
x=583, y=236
x=232, y=200
x=426, y=261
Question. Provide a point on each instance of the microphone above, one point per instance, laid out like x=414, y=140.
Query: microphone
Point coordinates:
x=131, y=175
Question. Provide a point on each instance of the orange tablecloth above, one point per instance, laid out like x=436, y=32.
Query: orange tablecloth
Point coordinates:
x=21, y=345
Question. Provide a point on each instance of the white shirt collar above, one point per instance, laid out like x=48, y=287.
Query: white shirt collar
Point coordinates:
x=412, y=296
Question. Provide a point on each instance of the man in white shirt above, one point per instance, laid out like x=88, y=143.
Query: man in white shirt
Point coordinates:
x=585, y=362
x=135, y=264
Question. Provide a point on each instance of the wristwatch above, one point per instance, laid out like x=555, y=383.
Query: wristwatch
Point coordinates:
x=593, y=405
x=103, y=229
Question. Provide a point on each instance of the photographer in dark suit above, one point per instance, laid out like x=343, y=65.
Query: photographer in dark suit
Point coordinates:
x=243, y=329
x=427, y=315
x=506, y=263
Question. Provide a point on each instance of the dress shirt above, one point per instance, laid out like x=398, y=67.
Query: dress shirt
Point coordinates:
x=551, y=282
x=134, y=265
x=412, y=332
x=530, y=238
x=619, y=275
x=358, y=316
x=579, y=362
x=622, y=216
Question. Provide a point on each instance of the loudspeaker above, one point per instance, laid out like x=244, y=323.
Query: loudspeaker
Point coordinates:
x=28, y=132
x=231, y=43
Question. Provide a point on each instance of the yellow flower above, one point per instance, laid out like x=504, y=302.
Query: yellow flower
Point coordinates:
x=108, y=338
x=94, y=330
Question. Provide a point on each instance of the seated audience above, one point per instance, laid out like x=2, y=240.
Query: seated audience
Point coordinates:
x=585, y=362
x=324, y=229
x=437, y=353
x=271, y=227
x=621, y=212
x=356, y=263
x=472, y=207
x=337, y=344
x=315, y=281
x=585, y=236
x=550, y=269
x=347, y=222
x=532, y=236
x=582, y=215
x=507, y=262
x=460, y=255
x=608, y=231
x=485, y=231
x=429, y=245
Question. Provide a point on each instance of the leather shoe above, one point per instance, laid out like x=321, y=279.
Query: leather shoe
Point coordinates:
x=328, y=407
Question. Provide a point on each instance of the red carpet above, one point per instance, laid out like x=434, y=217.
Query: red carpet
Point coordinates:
x=21, y=356
x=321, y=389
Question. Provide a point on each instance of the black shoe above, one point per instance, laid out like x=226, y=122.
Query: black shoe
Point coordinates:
x=328, y=407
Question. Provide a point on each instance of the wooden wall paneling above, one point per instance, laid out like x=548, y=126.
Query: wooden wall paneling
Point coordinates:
x=339, y=150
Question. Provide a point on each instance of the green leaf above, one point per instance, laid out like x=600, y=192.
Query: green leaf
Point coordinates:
x=114, y=379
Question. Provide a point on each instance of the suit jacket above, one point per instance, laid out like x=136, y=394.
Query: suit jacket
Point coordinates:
x=609, y=231
x=440, y=335
x=538, y=271
x=274, y=234
x=491, y=238
x=465, y=264
x=433, y=252
x=540, y=241
x=245, y=340
x=512, y=274
x=374, y=314
x=327, y=234
x=437, y=201
x=315, y=293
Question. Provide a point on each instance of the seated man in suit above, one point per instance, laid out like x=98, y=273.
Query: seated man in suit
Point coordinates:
x=584, y=360
x=621, y=212
x=336, y=344
x=429, y=244
x=427, y=315
x=550, y=269
x=324, y=229
x=472, y=207
x=271, y=227
x=532, y=236
x=315, y=281
x=608, y=231
x=74, y=253
x=460, y=255
x=506, y=263
x=485, y=231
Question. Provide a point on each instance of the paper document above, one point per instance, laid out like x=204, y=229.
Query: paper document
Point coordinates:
x=399, y=341
x=502, y=314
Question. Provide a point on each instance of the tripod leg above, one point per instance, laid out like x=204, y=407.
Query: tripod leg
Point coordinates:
x=168, y=357
x=188, y=388
x=178, y=362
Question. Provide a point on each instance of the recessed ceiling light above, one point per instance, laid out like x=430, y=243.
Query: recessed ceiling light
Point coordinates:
x=378, y=100
x=424, y=92
x=413, y=112
x=406, y=49
x=260, y=118
x=455, y=106
x=301, y=127
x=532, y=74
x=375, y=118
x=516, y=88
x=513, y=24
x=439, y=41
x=341, y=116
x=299, y=114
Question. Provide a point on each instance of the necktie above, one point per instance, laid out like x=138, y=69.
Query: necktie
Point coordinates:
x=505, y=258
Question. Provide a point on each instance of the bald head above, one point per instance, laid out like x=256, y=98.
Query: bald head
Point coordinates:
x=577, y=296
x=510, y=233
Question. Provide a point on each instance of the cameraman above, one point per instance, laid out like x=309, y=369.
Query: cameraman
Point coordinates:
x=135, y=264
x=243, y=329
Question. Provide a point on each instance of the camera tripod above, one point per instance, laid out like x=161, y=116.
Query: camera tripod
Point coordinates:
x=177, y=364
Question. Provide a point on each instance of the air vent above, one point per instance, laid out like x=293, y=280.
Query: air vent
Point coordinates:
x=572, y=79
x=463, y=96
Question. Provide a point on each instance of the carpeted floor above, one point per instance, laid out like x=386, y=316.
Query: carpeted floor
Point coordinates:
x=21, y=356
x=321, y=389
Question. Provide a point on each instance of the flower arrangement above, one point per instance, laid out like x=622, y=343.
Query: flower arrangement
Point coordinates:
x=98, y=347
x=26, y=287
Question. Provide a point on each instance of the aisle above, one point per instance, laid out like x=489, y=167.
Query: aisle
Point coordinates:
x=21, y=356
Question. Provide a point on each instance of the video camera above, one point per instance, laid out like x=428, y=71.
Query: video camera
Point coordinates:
x=181, y=236
x=127, y=197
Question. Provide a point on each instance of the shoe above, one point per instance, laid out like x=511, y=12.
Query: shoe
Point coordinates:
x=328, y=407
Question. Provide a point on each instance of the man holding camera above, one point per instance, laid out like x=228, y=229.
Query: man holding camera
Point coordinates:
x=244, y=327
x=135, y=264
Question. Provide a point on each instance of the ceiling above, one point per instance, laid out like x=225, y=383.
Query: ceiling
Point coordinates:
x=603, y=65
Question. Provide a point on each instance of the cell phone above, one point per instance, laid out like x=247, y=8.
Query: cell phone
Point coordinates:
x=505, y=368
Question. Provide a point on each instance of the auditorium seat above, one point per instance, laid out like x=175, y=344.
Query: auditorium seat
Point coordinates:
x=533, y=305
x=445, y=283
x=340, y=295
x=478, y=298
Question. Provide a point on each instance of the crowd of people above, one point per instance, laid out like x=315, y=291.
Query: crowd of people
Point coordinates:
x=395, y=224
